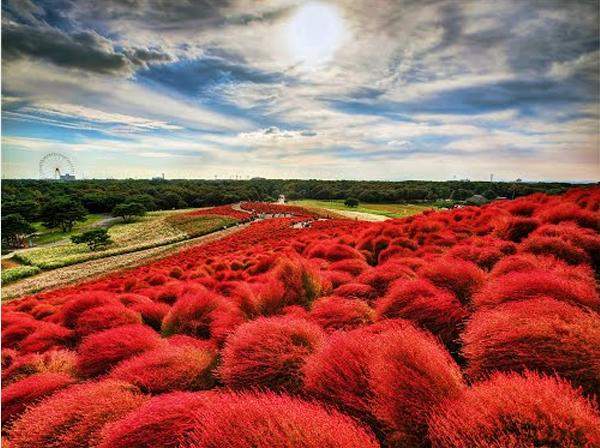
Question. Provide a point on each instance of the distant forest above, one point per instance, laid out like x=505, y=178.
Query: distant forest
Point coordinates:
x=101, y=196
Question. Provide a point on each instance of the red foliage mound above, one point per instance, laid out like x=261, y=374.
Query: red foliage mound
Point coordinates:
x=77, y=304
x=56, y=361
x=338, y=372
x=510, y=410
x=166, y=369
x=517, y=286
x=74, y=416
x=426, y=305
x=269, y=353
x=274, y=421
x=301, y=281
x=515, y=229
x=46, y=337
x=152, y=313
x=104, y=317
x=99, y=352
x=356, y=291
x=164, y=421
x=17, y=396
x=201, y=314
x=538, y=334
x=411, y=373
x=337, y=313
x=557, y=247
x=461, y=277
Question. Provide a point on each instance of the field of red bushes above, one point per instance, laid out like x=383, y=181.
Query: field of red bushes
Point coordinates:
x=472, y=327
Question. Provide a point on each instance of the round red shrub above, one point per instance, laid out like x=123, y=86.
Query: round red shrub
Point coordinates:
x=164, y=421
x=167, y=369
x=104, y=317
x=410, y=374
x=77, y=304
x=47, y=336
x=517, y=228
x=182, y=340
x=203, y=315
x=352, y=266
x=337, y=313
x=338, y=373
x=99, y=352
x=268, y=420
x=152, y=313
x=56, y=361
x=517, y=286
x=461, y=277
x=510, y=410
x=269, y=353
x=356, y=291
x=74, y=417
x=538, y=334
x=381, y=276
x=16, y=331
x=432, y=308
x=301, y=281
x=20, y=394
x=561, y=249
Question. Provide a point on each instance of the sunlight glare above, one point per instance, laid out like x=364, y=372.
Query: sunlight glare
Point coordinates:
x=314, y=33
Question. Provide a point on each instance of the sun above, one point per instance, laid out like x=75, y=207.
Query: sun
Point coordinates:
x=314, y=33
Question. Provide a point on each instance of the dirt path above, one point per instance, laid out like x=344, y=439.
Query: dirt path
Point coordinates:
x=361, y=216
x=98, y=268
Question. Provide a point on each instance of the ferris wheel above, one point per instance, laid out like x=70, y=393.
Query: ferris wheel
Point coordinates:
x=56, y=166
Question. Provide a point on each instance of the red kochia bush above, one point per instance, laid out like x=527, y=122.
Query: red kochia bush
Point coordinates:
x=164, y=421
x=269, y=353
x=337, y=313
x=17, y=396
x=47, y=336
x=338, y=372
x=104, y=317
x=538, y=334
x=510, y=410
x=461, y=277
x=410, y=375
x=74, y=417
x=356, y=291
x=99, y=352
x=57, y=361
x=518, y=286
x=166, y=369
x=152, y=313
x=77, y=304
x=557, y=247
x=432, y=308
x=267, y=420
x=202, y=314
x=517, y=228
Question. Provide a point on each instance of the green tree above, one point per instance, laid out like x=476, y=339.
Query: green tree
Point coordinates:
x=62, y=212
x=129, y=210
x=14, y=230
x=95, y=239
x=351, y=202
x=28, y=209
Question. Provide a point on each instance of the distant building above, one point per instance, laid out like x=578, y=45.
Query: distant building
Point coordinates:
x=476, y=199
x=67, y=177
x=162, y=177
x=281, y=199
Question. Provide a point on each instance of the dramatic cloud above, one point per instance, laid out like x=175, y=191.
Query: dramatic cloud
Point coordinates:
x=331, y=88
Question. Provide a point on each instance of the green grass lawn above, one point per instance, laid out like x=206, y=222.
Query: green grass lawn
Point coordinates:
x=389, y=210
x=47, y=236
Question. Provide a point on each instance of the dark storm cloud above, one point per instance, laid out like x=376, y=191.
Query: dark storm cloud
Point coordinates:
x=85, y=50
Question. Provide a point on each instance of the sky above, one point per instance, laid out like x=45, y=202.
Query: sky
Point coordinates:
x=346, y=89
